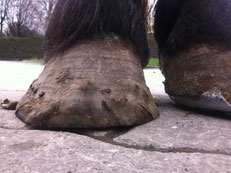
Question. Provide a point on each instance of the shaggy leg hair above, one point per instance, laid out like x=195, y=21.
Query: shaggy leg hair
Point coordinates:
x=181, y=23
x=76, y=20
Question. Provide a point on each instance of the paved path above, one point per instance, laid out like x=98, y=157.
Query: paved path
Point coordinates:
x=179, y=141
x=18, y=75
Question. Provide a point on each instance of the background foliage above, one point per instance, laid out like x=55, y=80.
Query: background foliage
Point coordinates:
x=14, y=48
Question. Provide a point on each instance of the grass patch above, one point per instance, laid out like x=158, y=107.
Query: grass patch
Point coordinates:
x=35, y=60
x=153, y=62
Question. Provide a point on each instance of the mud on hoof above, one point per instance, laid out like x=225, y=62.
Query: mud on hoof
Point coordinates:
x=96, y=88
x=199, y=77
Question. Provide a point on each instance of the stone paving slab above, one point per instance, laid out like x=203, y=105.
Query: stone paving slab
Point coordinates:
x=18, y=75
x=8, y=120
x=57, y=152
x=179, y=141
x=179, y=130
x=11, y=95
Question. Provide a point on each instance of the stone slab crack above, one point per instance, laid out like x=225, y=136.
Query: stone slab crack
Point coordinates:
x=161, y=150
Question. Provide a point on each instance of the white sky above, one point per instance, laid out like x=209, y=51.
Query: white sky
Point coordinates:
x=151, y=1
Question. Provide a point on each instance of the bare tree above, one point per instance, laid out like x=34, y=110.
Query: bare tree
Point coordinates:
x=47, y=7
x=4, y=9
x=25, y=15
x=30, y=15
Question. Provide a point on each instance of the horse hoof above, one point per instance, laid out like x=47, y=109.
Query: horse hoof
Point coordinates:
x=199, y=77
x=96, y=84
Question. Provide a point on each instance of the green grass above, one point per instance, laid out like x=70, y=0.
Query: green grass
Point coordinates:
x=35, y=60
x=153, y=62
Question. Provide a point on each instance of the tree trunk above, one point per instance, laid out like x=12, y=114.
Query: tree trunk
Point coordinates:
x=96, y=84
x=199, y=77
x=1, y=25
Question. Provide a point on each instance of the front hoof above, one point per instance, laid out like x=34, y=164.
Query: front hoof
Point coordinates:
x=95, y=89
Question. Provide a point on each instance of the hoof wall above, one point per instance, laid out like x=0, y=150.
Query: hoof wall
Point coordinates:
x=210, y=100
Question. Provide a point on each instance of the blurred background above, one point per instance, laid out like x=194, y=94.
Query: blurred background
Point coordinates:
x=23, y=24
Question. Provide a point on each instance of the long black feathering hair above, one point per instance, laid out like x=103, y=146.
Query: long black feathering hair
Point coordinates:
x=76, y=20
x=180, y=23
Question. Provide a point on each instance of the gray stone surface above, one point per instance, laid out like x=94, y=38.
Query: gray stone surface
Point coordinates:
x=9, y=121
x=57, y=152
x=179, y=141
x=18, y=75
x=178, y=130
x=11, y=95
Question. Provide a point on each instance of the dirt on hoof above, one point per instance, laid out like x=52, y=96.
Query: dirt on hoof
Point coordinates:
x=9, y=105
